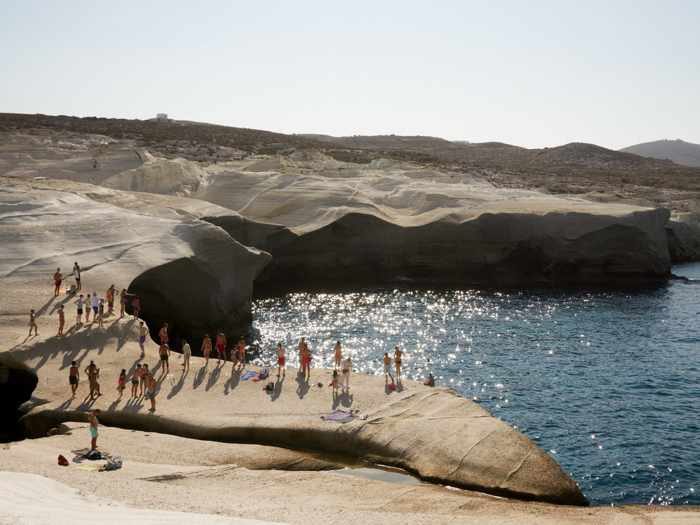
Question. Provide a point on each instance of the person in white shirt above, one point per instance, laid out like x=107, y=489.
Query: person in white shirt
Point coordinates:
x=186, y=354
x=346, y=369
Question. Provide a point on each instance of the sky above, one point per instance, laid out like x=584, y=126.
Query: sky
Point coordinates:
x=532, y=73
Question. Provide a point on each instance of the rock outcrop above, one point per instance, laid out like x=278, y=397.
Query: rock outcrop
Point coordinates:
x=433, y=433
x=17, y=382
x=185, y=270
x=684, y=238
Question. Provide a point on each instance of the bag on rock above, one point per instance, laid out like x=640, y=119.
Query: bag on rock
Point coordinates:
x=62, y=461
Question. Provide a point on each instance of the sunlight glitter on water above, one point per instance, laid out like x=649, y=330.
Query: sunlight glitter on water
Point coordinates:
x=562, y=367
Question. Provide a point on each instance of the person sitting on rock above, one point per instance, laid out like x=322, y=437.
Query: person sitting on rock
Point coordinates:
x=430, y=380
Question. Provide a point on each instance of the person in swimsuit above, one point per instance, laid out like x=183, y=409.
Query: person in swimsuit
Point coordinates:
x=163, y=334
x=281, y=360
x=345, y=370
x=136, y=306
x=334, y=382
x=95, y=305
x=76, y=274
x=151, y=388
x=94, y=424
x=93, y=374
x=57, y=280
x=387, y=368
x=300, y=349
x=87, y=309
x=206, y=349
x=221, y=347
x=73, y=377
x=143, y=332
x=100, y=313
x=80, y=303
x=145, y=372
x=61, y=320
x=32, y=323
x=122, y=303
x=121, y=383
x=397, y=362
x=111, y=291
x=240, y=352
x=186, y=355
x=164, y=353
x=338, y=354
x=135, y=378
x=306, y=362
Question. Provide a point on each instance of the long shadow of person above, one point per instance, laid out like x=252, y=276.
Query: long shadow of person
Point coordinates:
x=199, y=377
x=233, y=381
x=213, y=377
x=345, y=399
x=178, y=386
x=302, y=386
x=277, y=390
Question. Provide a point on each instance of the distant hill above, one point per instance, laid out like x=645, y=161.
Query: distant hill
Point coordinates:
x=679, y=151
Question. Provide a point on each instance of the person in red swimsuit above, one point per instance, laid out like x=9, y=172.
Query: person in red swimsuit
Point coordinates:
x=221, y=347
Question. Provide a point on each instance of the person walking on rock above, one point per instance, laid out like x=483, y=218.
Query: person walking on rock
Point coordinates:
x=61, y=320
x=57, y=280
x=186, y=355
x=206, y=349
x=281, y=360
x=73, y=377
x=94, y=424
x=32, y=323
x=143, y=332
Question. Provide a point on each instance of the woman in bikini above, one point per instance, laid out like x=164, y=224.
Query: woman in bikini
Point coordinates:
x=240, y=350
x=397, y=362
x=135, y=381
x=206, y=349
x=221, y=347
x=57, y=280
x=163, y=334
x=338, y=354
x=121, y=383
x=143, y=332
x=281, y=360
x=164, y=353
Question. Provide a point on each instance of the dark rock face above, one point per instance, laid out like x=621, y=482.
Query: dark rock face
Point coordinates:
x=683, y=241
x=503, y=250
x=17, y=382
x=205, y=293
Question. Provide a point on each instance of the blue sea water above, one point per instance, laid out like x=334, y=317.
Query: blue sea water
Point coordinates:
x=608, y=382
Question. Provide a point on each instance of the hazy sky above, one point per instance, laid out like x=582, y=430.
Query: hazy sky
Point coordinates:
x=533, y=73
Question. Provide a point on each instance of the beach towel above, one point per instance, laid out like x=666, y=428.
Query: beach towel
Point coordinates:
x=249, y=375
x=263, y=374
x=338, y=416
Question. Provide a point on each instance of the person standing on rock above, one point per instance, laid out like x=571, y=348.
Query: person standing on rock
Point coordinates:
x=32, y=323
x=143, y=332
x=121, y=383
x=346, y=369
x=136, y=306
x=110, y=299
x=94, y=424
x=76, y=274
x=206, y=349
x=300, y=349
x=144, y=378
x=397, y=363
x=101, y=313
x=281, y=360
x=338, y=355
x=387, y=369
x=163, y=334
x=73, y=377
x=61, y=320
x=186, y=355
x=306, y=362
x=57, y=280
x=240, y=352
x=87, y=309
x=164, y=353
x=151, y=389
x=80, y=303
x=221, y=347
x=93, y=374
x=135, y=378
x=95, y=305
x=122, y=303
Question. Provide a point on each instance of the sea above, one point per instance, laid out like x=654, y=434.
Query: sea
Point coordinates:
x=606, y=381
